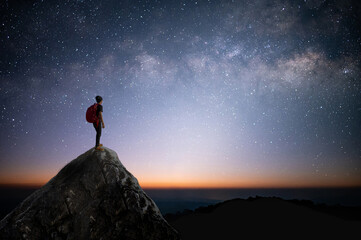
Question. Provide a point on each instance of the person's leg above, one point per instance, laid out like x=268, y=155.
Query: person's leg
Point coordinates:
x=98, y=129
x=99, y=133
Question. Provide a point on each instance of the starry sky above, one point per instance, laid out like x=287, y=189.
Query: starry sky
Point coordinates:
x=196, y=93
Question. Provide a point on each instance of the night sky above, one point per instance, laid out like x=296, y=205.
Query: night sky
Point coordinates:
x=196, y=93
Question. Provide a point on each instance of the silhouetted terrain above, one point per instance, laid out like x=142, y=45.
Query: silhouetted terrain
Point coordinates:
x=268, y=218
x=300, y=215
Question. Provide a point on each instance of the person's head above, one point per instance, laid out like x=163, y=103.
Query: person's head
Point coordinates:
x=99, y=99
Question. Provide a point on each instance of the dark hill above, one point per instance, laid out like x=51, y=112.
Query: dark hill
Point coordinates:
x=268, y=218
x=92, y=197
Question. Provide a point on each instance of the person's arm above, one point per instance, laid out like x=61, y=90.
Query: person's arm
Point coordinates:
x=101, y=119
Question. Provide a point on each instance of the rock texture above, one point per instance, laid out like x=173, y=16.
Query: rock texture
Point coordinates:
x=92, y=197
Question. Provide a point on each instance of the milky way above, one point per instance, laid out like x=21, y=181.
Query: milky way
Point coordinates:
x=196, y=93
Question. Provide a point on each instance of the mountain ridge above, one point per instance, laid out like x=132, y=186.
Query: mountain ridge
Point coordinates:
x=265, y=217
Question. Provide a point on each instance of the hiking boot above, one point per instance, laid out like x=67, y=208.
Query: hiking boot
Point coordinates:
x=99, y=149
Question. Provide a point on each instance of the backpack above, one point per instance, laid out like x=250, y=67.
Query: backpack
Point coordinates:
x=91, y=113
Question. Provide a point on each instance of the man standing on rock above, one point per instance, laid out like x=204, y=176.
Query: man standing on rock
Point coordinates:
x=99, y=124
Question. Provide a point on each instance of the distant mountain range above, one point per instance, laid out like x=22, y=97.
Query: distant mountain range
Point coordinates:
x=268, y=218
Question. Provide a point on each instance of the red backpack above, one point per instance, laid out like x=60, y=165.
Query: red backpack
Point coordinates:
x=91, y=113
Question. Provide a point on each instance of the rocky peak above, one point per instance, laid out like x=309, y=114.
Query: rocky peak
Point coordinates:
x=92, y=197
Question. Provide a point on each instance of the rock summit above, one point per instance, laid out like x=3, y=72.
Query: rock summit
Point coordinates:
x=92, y=197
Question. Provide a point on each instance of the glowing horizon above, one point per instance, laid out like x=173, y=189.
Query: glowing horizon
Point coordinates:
x=160, y=180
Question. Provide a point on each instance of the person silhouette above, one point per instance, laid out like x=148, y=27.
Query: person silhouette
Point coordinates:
x=99, y=124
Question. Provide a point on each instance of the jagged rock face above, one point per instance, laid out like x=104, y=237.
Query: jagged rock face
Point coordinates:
x=92, y=197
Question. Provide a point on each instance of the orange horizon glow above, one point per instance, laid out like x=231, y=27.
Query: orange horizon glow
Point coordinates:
x=192, y=180
x=198, y=185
